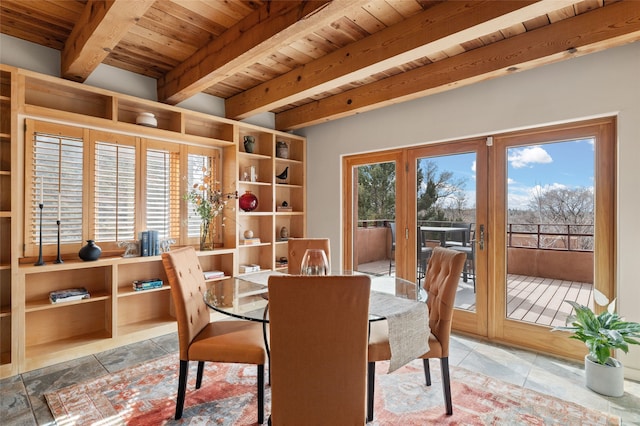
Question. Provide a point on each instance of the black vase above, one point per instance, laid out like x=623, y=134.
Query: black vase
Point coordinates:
x=90, y=252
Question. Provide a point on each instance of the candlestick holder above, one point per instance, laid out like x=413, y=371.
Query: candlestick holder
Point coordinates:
x=59, y=259
x=40, y=262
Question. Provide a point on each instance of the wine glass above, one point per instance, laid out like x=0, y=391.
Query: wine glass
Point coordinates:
x=314, y=262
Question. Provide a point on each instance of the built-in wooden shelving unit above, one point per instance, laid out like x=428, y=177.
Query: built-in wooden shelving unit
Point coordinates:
x=36, y=333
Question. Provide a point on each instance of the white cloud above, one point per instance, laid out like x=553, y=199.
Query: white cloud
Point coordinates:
x=524, y=157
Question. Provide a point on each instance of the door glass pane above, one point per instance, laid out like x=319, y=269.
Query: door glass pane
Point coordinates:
x=446, y=216
x=374, y=239
x=550, y=228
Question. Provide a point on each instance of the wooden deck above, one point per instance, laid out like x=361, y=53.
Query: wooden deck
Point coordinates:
x=530, y=299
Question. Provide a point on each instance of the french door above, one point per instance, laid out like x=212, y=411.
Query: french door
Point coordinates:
x=448, y=183
x=558, y=245
x=540, y=206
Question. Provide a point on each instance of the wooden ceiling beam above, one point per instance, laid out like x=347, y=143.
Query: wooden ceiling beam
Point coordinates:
x=599, y=29
x=436, y=29
x=99, y=29
x=275, y=24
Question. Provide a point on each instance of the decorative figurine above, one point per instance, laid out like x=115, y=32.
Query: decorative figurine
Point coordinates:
x=284, y=174
x=131, y=248
x=249, y=142
x=165, y=245
x=284, y=233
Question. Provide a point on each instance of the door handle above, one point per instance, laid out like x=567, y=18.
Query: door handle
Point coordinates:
x=481, y=239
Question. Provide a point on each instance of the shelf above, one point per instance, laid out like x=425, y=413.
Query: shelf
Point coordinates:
x=213, y=280
x=258, y=183
x=253, y=156
x=67, y=344
x=166, y=324
x=125, y=292
x=44, y=304
x=246, y=246
x=287, y=161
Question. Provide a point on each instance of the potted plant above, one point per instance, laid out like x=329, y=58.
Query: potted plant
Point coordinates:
x=601, y=334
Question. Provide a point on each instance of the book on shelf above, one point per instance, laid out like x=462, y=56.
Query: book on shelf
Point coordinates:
x=250, y=241
x=284, y=209
x=249, y=268
x=68, y=295
x=149, y=243
x=139, y=285
x=209, y=275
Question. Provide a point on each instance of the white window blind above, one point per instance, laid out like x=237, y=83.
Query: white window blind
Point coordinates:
x=197, y=165
x=57, y=168
x=115, y=190
x=163, y=197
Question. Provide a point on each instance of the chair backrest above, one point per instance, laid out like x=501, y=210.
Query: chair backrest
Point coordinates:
x=318, y=338
x=298, y=246
x=186, y=279
x=441, y=283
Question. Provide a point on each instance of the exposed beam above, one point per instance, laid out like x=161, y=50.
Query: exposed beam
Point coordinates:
x=602, y=28
x=100, y=27
x=437, y=28
x=275, y=24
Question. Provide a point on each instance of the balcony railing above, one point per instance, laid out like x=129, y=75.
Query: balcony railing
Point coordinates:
x=544, y=236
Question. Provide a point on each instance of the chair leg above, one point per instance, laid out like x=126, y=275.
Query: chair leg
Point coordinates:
x=427, y=371
x=260, y=394
x=182, y=388
x=199, y=375
x=446, y=385
x=371, y=379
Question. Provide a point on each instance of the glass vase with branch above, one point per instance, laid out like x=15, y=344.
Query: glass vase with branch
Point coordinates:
x=208, y=203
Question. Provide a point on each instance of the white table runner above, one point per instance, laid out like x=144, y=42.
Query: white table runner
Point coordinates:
x=408, y=326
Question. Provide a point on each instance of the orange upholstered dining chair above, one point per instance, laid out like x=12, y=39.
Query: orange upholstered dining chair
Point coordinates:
x=298, y=246
x=318, y=329
x=201, y=340
x=441, y=282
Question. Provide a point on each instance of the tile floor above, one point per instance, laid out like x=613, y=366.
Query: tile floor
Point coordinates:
x=23, y=403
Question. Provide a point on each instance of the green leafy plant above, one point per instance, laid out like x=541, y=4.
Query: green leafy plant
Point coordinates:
x=601, y=333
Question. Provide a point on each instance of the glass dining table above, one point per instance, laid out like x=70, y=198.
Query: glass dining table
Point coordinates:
x=393, y=299
x=400, y=292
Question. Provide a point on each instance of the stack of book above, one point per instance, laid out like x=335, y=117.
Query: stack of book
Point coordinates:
x=209, y=275
x=249, y=268
x=68, y=295
x=149, y=243
x=250, y=241
x=140, y=285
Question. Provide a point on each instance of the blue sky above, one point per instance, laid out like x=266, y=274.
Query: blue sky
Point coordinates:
x=567, y=164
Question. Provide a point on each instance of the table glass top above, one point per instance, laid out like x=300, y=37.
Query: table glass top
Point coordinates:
x=252, y=293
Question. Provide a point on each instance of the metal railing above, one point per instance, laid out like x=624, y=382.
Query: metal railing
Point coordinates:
x=545, y=236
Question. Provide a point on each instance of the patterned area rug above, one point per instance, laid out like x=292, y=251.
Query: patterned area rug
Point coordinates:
x=145, y=395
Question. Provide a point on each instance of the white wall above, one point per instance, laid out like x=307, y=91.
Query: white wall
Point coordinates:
x=599, y=84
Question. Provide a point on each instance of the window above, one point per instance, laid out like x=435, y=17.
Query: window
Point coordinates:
x=57, y=158
x=163, y=192
x=115, y=192
x=198, y=165
x=110, y=187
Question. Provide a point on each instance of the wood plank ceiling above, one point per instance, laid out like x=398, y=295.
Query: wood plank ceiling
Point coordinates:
x=316, y=60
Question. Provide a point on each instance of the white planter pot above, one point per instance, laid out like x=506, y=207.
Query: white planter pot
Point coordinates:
x=605, y=379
